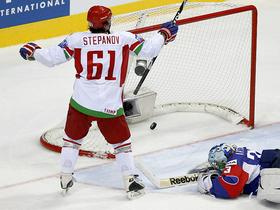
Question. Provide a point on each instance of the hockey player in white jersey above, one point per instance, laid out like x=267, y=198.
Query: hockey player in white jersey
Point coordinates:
x=101, y=60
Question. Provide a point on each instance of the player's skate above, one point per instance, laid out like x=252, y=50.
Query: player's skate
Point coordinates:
x=66, y=182
x=134, y=187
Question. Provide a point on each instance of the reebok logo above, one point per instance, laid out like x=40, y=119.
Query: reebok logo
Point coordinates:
x=182, y=180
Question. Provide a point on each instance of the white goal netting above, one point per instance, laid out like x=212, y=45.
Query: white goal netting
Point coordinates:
x=210, y=67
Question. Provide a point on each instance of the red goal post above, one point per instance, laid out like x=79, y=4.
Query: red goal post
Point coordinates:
x=210, y=67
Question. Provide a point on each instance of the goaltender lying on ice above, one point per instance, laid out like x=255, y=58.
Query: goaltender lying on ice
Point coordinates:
x=230, y=172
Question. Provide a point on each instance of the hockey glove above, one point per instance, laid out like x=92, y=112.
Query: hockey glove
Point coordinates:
x=204, y=181
x=27, y=51
x=169, y=31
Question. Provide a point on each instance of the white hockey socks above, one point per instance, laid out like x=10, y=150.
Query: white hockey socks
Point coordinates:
x=124, y=157
x=68, y=159
x=69, y=155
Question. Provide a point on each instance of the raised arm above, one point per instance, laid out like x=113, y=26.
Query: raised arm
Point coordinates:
x=150, y=48
x=50, y=56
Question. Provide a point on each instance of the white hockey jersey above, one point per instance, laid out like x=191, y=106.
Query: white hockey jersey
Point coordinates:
x=101, y=62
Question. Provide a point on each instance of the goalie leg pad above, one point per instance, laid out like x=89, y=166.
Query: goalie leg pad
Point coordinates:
x=269, y=188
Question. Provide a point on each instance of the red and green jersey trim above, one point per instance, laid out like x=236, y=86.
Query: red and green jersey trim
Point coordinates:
x=94, y=113
x=68, y=53
x=137, y=47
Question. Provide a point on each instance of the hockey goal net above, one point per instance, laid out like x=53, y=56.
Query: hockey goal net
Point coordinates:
x=210, y=67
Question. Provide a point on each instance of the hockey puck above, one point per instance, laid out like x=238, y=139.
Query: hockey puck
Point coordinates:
x=153, y=125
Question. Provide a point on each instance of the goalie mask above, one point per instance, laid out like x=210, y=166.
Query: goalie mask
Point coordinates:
x=219, y=154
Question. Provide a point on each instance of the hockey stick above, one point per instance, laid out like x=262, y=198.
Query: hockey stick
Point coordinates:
x=167, y=182
x=189, y=178
x=154, y=59
x=178, y=180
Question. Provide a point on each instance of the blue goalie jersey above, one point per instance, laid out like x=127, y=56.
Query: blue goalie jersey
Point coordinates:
x=240, y=175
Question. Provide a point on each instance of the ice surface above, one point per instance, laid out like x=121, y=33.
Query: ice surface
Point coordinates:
x=35, y=98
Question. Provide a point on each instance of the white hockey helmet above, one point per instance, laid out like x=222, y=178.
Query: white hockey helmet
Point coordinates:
x=219, y=154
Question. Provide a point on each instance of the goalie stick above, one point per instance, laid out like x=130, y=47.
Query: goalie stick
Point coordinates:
x=189, y=178
x=178, y=180
x=146, y=72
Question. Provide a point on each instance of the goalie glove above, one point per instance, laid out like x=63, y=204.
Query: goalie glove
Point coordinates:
x=204, y=181
x=169, y=31
x=27, y=51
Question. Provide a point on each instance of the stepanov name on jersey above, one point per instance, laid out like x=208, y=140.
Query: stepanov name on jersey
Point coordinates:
x=101, y=39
